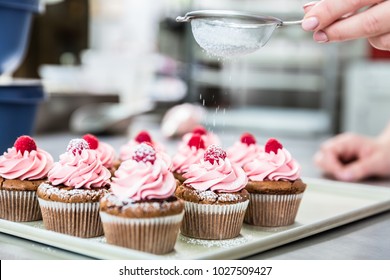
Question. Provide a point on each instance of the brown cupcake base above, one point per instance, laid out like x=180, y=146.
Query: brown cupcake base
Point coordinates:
x=154, y=235
x=214, y=222
x=269, y=210
x=19, y=206
x=77, y=219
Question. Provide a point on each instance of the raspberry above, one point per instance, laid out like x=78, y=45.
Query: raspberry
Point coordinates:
x=214, y=153
x=144, y=152
x=273, y=145
x=77, y=146
x=248, y=139
x=199, y=130
x=196, y=141
x=143, y=136
x=92, y=141
x=25, y=143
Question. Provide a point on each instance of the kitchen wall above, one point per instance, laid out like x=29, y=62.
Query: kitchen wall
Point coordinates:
x=133, y=52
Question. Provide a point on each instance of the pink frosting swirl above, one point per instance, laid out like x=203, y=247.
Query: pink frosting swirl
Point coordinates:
x=222, y=176
x=143, y=180
x=186, y=156
x=241, y=153
x=32, y=165
x=274, y=167
x=84, y=170
x=106, y=154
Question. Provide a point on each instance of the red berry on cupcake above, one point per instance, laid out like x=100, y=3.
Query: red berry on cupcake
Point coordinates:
x=77, y=146
x=144, y=152
x=214, y=153
x=196, y=141
x=143, y=136
x=273, y=145
x=199, y=130
x=25, y=143
x=248, y=139
x=92, y=140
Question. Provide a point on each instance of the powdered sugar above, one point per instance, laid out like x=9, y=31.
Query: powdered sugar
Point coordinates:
x=144, y=152
x=207, y=195
x=129, y=203
x=63, y=193
x=226, y=39
x=77, y=145
x=222, y=197
x=214, y=153
x=227, y=243
x=228, y=197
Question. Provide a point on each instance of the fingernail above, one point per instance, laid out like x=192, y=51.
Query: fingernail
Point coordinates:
x=320, y=37
x=310, y=23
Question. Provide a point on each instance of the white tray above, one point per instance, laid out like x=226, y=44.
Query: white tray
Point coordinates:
x=325, y=205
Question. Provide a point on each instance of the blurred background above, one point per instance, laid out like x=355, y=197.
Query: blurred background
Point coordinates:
x=106, y=63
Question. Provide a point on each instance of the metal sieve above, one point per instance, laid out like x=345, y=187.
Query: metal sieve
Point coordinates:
x=230, y=33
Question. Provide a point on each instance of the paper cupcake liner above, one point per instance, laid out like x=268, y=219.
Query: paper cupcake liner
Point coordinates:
x=77, y=219
x=19, y=206
x=154, y=235
x=272, y=210
x=210, y=221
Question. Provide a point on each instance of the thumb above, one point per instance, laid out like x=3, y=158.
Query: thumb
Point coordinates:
x=357, y=170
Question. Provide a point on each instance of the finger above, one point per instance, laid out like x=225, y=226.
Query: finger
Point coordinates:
x=357, y=170
x=307, y=7
x=370, y=23
x=328, y=162
x=345, y=146
x=326, y=12
x=381, y=42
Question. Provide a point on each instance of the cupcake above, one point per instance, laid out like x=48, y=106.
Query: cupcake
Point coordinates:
x=208, y=137
x=127, y=150
x=215, y=197
x=141, y=211
x=245, y=150
x=22, y=169
x=275, y=187
x=69, y=201
x=104, y=150
x=187, y=154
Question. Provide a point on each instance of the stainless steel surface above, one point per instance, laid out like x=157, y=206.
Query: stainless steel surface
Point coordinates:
x=364, y=239
x=245, y=18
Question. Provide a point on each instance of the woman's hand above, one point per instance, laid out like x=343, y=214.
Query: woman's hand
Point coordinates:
x=342, y=20
x=352, y=157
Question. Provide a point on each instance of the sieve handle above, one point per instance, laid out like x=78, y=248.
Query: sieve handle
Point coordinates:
x=295, y=22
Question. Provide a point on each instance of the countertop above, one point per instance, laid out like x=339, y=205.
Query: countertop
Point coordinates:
x=367, y=239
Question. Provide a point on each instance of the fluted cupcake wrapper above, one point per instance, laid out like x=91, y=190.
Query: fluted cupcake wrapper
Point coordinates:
x=272, y=210
x=211, y=221
x=154, y=235
x=19, y=206
x=77, y=219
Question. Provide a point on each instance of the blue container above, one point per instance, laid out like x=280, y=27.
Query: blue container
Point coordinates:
x=19, y=101
x=15, y=23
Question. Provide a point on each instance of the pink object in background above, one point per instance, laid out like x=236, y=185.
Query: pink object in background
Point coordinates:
x=181, y=119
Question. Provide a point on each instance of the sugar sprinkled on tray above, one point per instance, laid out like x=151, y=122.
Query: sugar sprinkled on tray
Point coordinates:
x=227, y=243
